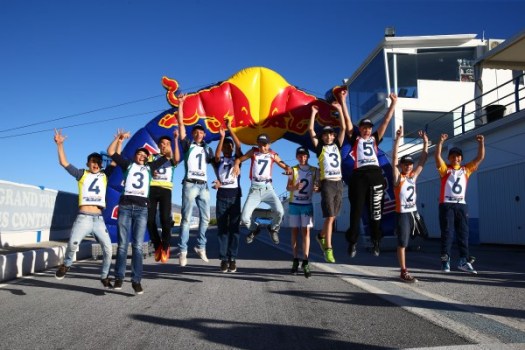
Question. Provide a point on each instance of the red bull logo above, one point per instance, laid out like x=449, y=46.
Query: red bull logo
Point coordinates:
x=255, y=99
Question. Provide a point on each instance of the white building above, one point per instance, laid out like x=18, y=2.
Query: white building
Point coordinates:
x=462, y=86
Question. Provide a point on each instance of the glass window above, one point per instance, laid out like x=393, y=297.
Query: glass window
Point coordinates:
x=438, y=123
x=368, y=89
x=406, y=75
x=445, y=64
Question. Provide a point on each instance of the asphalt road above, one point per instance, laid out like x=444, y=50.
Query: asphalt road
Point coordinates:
x=354, y=304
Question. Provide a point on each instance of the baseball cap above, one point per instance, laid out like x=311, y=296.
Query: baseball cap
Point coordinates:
x=302, y=150
x=263, y=138
x=406, y=159
x=366, y=122
x=142, y=149
x=455, y=150
x=95, y=155
x=198, y=126
x=328, y=129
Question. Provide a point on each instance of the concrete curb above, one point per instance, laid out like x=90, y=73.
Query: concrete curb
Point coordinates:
x=17, y=264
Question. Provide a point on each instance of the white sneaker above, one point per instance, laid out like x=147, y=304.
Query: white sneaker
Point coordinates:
x=182, y=258
x=467, y=267
x=201, y=253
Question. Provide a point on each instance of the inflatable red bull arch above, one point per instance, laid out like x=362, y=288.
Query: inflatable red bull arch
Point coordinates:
x=256, y=100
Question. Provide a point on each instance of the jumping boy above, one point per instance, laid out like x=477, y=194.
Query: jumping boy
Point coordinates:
x=328, y=151
x=453, y=210
x=261, y=189
x=405, y=191
x=133, y=208
x=160, y=195
x=92, y=185
x=228, y=206
x=197, y=155
x=367, y=183
x=301, y=185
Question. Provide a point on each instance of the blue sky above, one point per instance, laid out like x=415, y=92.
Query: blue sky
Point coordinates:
x=67, y=64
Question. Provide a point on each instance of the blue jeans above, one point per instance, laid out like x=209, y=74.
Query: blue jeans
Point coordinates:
x=258, y=195
x=228, y=212
x=132, y=221
x=194, y=194
x=85, y=224
x=453, y=217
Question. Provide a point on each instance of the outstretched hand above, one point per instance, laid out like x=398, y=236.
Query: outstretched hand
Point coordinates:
x=59, y=138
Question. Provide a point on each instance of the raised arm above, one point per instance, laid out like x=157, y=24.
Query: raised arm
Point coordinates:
x=342, y=123
x=236, y=141
x=346, y=112
x=384, y=124
x=311, y=130
x=439, y=148
x=481, y=151
x=220, y=144
x=395, y=157
x=180, y=116
x=59, y=140
x=176, y=154
x=116, y=145
x=424, y=153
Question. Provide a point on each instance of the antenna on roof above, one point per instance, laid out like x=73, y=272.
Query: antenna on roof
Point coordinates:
x=483, y=36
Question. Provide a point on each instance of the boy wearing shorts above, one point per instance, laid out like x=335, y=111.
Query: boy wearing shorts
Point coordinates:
x=301, y=185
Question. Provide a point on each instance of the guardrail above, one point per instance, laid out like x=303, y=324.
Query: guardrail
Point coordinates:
x=481, y=110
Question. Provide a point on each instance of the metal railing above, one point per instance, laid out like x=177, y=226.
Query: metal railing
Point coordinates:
x=481, y=110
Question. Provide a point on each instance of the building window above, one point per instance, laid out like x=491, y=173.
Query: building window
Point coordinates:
x=444, y=64
x=368, y=89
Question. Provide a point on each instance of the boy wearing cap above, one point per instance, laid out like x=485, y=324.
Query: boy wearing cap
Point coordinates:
x=197, y=156
x=453, y=210
x=92, y=184
x=160, y=195
x=405, y=178
x=367, y=183
x=133, y=208
x=261, y=188
x=328, y=151
x=228, y=202
x=301, y=185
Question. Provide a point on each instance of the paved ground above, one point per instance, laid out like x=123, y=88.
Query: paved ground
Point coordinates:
x=355, y=303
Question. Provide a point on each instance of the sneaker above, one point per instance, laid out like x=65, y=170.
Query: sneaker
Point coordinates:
x=158, y=253
x=252, y=234
x=118, y=284
x=201, y=252
x=375, y=249
x=61, y=272
x=329, y=255
x=306, y=269
x=137, y=288
x=465, y=266
x=233, y=266
x=182, y=258
x=106, y=282
x=275, y=236
x=164, y=255
x=322, y=241
x=295, y=266
x=352, y=249
x=445, y=263
x=406, y=277
x=224, y=266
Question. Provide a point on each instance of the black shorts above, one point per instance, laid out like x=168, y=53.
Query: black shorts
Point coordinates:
x=405, y=228
x=331, y=197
